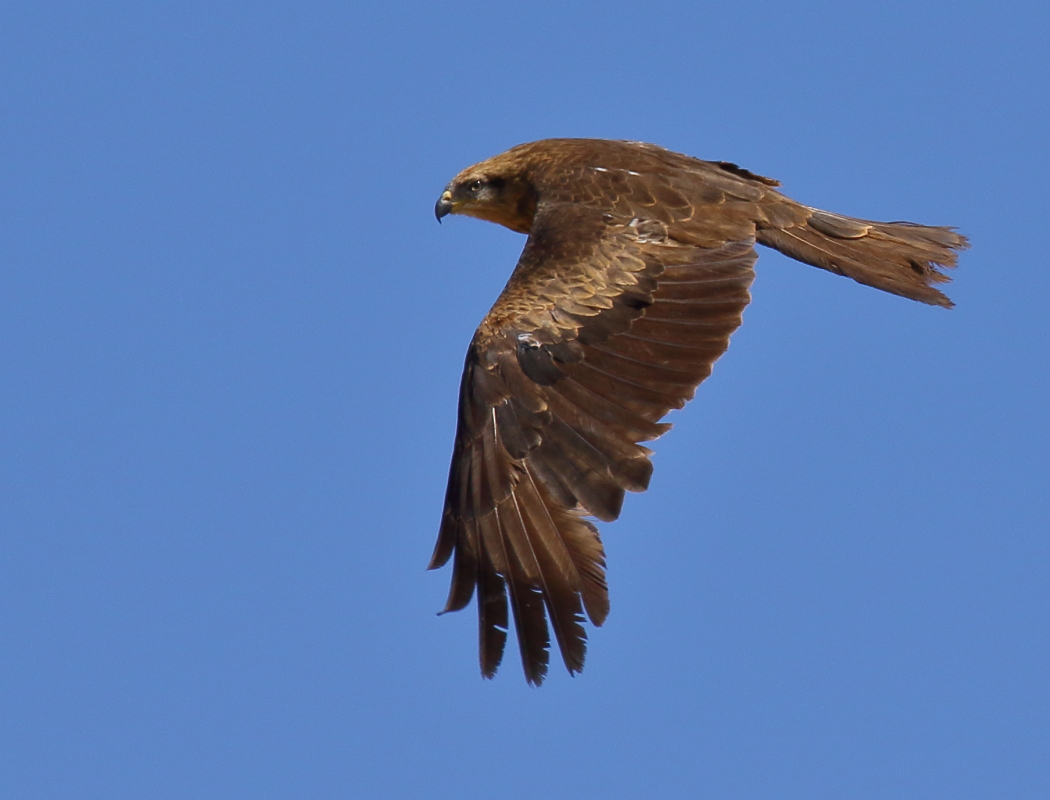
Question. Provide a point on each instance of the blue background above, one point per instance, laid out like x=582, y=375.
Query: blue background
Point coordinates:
x=230, y=342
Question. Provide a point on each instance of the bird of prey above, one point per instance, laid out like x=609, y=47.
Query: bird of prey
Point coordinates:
x=635, y=273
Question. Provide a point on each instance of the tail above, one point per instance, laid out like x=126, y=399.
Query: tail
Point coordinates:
x=898, y=257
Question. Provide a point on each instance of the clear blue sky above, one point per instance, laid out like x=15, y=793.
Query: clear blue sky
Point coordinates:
x=231, y=334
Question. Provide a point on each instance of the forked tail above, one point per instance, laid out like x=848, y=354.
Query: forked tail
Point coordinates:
x=898, y=257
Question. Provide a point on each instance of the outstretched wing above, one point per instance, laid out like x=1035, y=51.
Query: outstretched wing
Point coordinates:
x=606, y=324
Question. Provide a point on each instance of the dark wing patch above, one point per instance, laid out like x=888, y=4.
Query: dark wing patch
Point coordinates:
x=600, y=331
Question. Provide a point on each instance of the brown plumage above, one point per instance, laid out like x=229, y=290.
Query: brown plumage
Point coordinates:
x=635, y=274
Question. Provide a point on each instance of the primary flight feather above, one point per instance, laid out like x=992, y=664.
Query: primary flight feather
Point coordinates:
x=635, y=273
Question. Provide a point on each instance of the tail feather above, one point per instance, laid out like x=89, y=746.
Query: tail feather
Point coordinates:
x=898, y=257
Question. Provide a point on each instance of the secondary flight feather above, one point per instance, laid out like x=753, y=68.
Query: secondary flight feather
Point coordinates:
x=635, y=273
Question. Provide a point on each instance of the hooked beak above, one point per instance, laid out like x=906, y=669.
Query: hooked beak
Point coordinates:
x=443, y=207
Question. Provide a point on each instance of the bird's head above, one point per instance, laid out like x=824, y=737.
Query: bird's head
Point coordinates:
x=493, y=190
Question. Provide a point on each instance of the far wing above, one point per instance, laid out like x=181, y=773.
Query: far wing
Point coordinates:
x=605, y=325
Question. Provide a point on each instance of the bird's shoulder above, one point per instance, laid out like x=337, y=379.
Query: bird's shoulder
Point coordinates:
x=580, y=265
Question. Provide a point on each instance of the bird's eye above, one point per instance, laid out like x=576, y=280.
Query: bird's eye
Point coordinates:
x=475, y=186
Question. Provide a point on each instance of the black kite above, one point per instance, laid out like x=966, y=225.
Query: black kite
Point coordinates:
x=635, y=274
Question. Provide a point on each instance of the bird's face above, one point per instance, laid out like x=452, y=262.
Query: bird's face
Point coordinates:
x=486, y=194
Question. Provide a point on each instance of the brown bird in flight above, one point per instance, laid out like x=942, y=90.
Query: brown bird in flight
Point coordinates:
x=635, y=274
